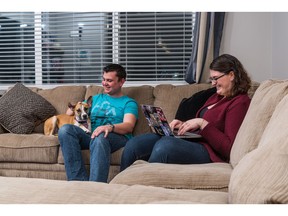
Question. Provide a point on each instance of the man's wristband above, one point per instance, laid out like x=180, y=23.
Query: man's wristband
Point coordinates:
x=112, y=126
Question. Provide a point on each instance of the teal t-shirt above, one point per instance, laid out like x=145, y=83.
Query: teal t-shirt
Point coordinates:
x=111, y=110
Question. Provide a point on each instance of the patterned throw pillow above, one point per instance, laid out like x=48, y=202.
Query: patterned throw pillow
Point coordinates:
x=22, y=110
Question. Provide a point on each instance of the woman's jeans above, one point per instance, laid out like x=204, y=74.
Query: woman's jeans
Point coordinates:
x=73, y=139
x=163, y=149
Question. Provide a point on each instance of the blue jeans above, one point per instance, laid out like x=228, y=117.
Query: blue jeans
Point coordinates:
x=163, y=149
x=73, y=139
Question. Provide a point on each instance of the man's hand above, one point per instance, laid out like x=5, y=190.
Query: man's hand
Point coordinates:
x=106, y=129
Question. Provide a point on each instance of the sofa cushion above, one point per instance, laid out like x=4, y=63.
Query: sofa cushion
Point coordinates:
x=213, y=176
x=34, y=148
x=262, y=175
x=22, y=109
x=262, y=105
x=33, y=170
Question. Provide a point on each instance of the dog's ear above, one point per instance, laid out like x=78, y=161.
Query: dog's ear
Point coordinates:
x=89, y=100
x=71, y=106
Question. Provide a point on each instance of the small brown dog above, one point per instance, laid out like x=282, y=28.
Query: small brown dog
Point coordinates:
x=79, y=118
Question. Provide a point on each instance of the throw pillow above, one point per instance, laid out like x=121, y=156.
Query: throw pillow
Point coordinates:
x=22, y=110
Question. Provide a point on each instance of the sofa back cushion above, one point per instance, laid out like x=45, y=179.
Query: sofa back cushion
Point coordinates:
x=262, y=175
x=169, y=96
x=142, y=94
x=59, y=97
x=263, y=103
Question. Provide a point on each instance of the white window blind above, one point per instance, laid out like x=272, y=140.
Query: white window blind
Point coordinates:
x=72, y=48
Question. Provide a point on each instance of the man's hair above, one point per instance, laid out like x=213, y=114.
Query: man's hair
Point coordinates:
x=120, y=70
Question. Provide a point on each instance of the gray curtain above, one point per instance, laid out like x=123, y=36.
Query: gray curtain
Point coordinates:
x=206, y=34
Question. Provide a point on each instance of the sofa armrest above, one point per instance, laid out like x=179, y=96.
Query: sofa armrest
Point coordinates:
x=211, y=176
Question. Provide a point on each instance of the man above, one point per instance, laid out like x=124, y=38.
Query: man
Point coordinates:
x=113, y=117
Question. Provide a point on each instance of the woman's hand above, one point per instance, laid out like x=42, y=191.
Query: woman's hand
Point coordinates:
x=192, y=125
x=175, y=124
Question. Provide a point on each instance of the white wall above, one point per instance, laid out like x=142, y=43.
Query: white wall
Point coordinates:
x=280, y=45
x=248, y=36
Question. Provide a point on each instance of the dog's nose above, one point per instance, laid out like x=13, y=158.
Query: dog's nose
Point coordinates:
x=85, y=116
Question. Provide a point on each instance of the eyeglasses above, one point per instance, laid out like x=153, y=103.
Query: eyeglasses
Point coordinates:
x=214, y=79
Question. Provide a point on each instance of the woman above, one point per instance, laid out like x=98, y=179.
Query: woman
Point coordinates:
x=218, y=122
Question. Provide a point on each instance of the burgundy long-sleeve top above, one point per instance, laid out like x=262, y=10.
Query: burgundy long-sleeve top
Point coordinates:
x=224, y=120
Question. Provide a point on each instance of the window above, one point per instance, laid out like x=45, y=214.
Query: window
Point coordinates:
x=72, y=48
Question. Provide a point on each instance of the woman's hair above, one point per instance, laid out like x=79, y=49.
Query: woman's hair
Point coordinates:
x=225, y=64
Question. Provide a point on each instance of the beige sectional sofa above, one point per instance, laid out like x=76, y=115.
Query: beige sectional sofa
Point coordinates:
x=38, y=156
x=257, y=172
